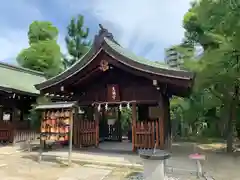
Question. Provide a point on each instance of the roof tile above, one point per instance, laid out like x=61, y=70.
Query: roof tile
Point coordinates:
x=19, y=79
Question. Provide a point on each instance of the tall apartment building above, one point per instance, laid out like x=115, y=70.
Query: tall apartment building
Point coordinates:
x=173, y=58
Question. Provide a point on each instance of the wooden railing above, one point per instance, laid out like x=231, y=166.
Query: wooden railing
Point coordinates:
x=146, y=135
x=6, y=131
x=13, y=132
x=84, y=133
x=23, y=135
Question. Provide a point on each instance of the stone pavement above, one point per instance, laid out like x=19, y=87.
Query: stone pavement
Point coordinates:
x=23, y=168
x=114, y=159
x=85, y=173
x=8, y=150
x=220, y=166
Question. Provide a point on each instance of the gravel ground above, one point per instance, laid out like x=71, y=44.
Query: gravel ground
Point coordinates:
x=20, y=166
x=26, y=169
x=15, y=167
x=131, y=174
x=119, y=174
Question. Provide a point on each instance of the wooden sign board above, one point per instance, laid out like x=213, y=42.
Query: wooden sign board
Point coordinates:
x=6, y=117
x=154, y=112
x=113, y=93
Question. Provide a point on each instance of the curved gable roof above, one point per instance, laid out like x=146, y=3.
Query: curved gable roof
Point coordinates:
x=143, y=64
x=110, y=46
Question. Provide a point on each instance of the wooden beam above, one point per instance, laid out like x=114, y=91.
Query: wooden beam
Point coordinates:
x=95, y=71
x=183, y=83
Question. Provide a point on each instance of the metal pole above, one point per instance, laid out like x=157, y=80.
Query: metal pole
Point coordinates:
x=40, y=150
x=41, y=141
x=70, y=139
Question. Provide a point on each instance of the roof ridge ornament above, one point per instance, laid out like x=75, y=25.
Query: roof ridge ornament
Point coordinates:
x=99, y=38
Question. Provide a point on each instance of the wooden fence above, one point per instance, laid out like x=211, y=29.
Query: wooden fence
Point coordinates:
x=146, y=135
x=16, y=132
x=23, y=135
x=84, y=133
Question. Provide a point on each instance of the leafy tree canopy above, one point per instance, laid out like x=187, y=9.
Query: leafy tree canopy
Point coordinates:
x=76, y=40
x=43, y=53
x=215, y=25
x=42, y=31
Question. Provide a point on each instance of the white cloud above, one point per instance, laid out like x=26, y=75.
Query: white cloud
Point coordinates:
x=12, y=43
x=15, y=18
x=157, y=22
x=14, y=28
x=61, y=42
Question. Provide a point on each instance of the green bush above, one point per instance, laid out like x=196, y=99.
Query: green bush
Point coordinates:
x=36, y=116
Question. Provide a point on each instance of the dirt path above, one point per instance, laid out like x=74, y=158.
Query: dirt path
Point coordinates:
x=14, y=167
x=220, y=165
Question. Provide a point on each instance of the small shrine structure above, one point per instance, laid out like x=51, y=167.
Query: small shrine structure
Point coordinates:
x=109, y=76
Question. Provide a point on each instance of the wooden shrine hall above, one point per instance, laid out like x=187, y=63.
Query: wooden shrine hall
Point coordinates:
x=17, y=94
x=110, y=77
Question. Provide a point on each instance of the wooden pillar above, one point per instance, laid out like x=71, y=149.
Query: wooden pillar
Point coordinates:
x=42, y=142
x=1, y=113
x=161, y=122
x=164, y=122
x=134, y=120
x=14, y=114
x=157, y=134
x=103, y=125
x=168, y=128
x=119, y=124
x=71, y=135
x=97, y=116
x=13, y=124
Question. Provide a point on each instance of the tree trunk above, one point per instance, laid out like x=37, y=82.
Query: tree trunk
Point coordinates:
x=232, y=116
x=230, y=129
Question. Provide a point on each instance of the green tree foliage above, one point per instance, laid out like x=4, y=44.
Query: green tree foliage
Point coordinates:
x=43, y=53
x=76, y=40
x=125, y=119
x=35, y=115
x=215, y=25
x=41, y=31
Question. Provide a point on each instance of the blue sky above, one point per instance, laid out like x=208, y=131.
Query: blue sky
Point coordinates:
x=144, y=26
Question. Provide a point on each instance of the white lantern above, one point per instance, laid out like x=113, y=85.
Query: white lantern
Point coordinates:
x=120, y=107
x=99, y=107
x=128, y=105
x=106, y=106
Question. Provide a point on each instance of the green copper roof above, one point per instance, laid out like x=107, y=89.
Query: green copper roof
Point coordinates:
x=19, y=79
x=130, y=59
x=125, y=52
